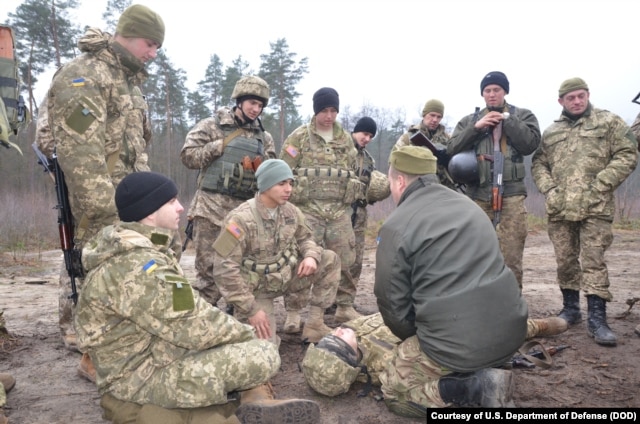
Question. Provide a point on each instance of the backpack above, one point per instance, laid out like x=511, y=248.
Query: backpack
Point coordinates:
x=13, y=111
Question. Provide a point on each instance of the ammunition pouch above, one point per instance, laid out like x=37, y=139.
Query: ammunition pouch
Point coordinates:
x=273, y=274
x=333, y=184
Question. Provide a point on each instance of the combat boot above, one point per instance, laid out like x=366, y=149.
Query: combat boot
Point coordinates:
x=259, y=406
x=346, y=313
x=86, y=368
x=292, y=323
x=571, y=306
x=546, y=327
x=315, y=328
x=7, y=381
x=597, y=322
x=489, y=388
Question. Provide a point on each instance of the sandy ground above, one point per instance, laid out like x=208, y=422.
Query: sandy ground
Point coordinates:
x=585, y=375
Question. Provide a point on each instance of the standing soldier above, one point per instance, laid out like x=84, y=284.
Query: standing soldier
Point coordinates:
x=227, y=149
x=436, y=133
x=97, y=117
x=267, y=250
x=584, y=156
x=514, y=132
x=376, y=183
x=323, y=159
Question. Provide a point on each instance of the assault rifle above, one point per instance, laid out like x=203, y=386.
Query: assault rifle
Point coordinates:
x=72, y=255
x=498, y=169
x=525, y=361
x=188, y=232
x=419, y=139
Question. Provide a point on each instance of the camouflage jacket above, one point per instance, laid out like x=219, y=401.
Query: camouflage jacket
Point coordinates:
x=138, y=313
x=97, y=115
x=300, y=152
x=440, y=139
x=377, y=344
x=635, y=128
x=252, y=239
x=522, y=138
x=580, y=163
x=203, y=145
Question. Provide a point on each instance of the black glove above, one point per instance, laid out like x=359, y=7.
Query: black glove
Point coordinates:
x=443, y=157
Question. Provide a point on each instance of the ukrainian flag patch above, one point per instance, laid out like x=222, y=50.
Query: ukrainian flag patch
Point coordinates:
x=78, y=82
x=150, y=266
x=292, y=151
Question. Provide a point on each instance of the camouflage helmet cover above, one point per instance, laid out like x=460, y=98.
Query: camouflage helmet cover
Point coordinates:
x=251, y=86
x=326, y=373
x=379, y=188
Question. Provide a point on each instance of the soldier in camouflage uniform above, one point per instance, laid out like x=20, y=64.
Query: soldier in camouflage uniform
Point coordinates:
x=430, y=127
x=97, y=119
x=227, y=149
x=376, y=186
x=635, y=129
x=267, y=250
x=323, y=158
x=152, y=338
x=584, y=156
x=520, y=136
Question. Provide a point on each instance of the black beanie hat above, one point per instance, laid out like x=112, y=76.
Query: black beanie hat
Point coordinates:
x=495, y=77
x=324, y=98
x=366, y=124
x=142, y=193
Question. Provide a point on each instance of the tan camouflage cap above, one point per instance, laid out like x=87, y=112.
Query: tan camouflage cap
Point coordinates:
x=139, y=21
x=326, y=373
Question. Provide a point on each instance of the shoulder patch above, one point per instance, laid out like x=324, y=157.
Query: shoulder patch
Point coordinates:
x=292, y=151
x=77, y=82
x=235, y=231
x=150, y=266
x=228, y=239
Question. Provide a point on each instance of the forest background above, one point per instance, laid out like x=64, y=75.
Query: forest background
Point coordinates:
x=46, y=36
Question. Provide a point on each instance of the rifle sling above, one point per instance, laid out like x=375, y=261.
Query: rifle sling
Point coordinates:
x=524, y=350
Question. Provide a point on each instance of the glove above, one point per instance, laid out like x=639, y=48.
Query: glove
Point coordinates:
x=443, y=157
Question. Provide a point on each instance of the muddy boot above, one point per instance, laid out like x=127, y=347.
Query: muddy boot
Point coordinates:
x=571, y=306
x=315, y=328
x=259, y=406
x=597, y=322
x=346, y=313
x=7, y=381
x=545, y=327
x=292, y=323
x=489, y=388
x=86, y=368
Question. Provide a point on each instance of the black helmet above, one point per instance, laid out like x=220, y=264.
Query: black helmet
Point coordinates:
x=463, y=167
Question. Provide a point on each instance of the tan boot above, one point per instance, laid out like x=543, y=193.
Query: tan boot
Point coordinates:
x=259, y=406
x=70, y=342
x=7, y=381
x=3, y=419
x=545, y=327
x=315, y=328
x=292, y=323
x=86, y=368
x=346, y=313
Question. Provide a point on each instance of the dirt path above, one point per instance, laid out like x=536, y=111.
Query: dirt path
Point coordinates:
x=586, y=375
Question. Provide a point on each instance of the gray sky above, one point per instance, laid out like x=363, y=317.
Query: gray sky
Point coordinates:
x=397, y=54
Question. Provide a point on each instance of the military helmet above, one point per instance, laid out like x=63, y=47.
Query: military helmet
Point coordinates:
x=379, y=188
x=463, y=167
x=251, y=86
x=326, y=373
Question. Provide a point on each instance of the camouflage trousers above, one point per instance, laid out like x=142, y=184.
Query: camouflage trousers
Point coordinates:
x=205, y=233
x=204, y=378
x=580, y=255
x=512, y=231
x=66, y=308
x=359, y=230
x=337, y=235
x=412, y=376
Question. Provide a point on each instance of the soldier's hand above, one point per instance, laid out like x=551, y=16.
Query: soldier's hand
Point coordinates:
x=307, y=267
x=489, y=120
x=260, y=321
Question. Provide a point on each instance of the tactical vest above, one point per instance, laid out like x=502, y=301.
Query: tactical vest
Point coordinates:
x=318, y=181
x=227, y=174
x=514, y=169
x=265, y=265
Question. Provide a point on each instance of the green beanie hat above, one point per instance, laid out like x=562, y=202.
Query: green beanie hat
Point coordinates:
x=433, y=105
x=138, y=21
x=572, y=84
x=414, y=160
x=271, y=172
